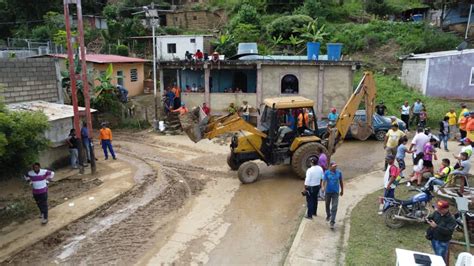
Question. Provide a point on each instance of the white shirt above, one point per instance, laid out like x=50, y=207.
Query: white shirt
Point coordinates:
x=246, y=109
x=405, y=110
x=419, y=141
x=314, y=175
x=386, y=178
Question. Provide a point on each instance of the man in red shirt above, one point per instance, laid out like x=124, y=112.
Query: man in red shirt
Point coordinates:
x=206, y=109
x=199, y=55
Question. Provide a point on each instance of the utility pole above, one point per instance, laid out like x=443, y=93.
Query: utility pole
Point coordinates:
x=74, y=78
x=468, y=23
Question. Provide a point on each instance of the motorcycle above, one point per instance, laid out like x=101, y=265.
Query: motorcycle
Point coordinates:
x=397, y=212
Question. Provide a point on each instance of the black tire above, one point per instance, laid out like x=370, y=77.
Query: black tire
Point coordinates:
x=248, y=172
x=380, y=135
x=233, y=166
x=300, y=161
x=390, y=220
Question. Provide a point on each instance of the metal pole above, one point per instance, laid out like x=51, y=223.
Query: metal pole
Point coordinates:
x=72, y=77
x=85, y=82
x=468, y=23
x=466, y=229
x=154, y=70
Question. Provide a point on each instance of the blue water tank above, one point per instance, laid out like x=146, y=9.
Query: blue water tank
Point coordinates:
x=312, y=50
x=334, y=51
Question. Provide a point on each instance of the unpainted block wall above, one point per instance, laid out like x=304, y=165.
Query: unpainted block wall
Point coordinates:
x=28, y=80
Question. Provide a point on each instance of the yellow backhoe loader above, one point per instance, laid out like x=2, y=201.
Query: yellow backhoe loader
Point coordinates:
x=288, y=131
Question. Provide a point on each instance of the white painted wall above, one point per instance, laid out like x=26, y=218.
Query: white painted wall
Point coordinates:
x=413, y=73
x=183, y=44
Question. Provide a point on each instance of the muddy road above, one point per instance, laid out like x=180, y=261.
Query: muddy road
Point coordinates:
x=190, y=208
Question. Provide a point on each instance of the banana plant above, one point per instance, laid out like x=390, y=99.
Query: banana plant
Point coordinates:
x=312, y=32
x=294, y=42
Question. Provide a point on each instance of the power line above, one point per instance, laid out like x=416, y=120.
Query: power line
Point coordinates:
x=20, y=22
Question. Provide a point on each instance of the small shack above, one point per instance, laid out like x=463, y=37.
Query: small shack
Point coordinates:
x=447, y=74
x=60, y=118
x=128, y=71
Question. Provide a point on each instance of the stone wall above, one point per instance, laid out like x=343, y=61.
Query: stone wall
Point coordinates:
x=197, y=20
x=28, y=80
x=413, y=73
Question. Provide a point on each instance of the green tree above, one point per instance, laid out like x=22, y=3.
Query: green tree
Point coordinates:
x=247, y=14
x=312, y=32
x=246, y=33
x=285, y=26
x=21, y=139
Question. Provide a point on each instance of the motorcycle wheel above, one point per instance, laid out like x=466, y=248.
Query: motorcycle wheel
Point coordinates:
x=390, y=220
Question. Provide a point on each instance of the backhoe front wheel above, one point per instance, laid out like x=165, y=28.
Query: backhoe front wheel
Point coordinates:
x=301, y=159
x=248, y=172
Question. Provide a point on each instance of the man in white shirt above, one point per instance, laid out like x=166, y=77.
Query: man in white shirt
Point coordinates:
x=405, y=114
x=419, y=142
x=312, y=184
x=245, y=109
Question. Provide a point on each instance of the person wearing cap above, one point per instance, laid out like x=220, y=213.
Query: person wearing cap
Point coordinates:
x=331, y=183
x=442, y=225
x=417, y=108
x=462, y=124
x=391, y=174
x=105, y=138
x=470, y=126
x=332, y=117
x=452, y=122
x=312, y=184
x=463, y=111
x=391, y=141
x=380, y=108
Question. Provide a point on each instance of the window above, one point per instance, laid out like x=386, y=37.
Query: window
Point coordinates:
x=171, y=48
x=120, y=77
x=133, y=75
x=471, y=81
x=289, y=84
x=193, y=40
x=195, y=18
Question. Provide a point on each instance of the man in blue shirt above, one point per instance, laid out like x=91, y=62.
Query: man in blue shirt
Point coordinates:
x=417, y=108
x=332, y=117
x=86, y=140
x=331, y=182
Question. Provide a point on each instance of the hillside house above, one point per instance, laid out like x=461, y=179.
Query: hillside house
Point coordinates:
x=174, y=47
x=128, y=71
x=447, y=74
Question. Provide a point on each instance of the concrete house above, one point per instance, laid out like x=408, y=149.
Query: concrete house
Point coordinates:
x=174, y=47
x=328, y=83
x=128, y=71
x=447, y=74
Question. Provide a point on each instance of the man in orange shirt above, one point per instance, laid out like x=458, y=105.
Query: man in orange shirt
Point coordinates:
x=303, y=121
x=177, y=96
x=105, y=138
x=470, y=126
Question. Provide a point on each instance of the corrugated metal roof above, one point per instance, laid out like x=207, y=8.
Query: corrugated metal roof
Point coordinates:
x=54, y=111
x=439, y=54
x=105, y=58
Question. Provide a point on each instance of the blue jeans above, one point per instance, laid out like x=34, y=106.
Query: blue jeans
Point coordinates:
x=246, y=117
x=440, y=248
x=106, y=144
x=388, y=193
x=87, y=146
x=74, y=157
x=444, y=140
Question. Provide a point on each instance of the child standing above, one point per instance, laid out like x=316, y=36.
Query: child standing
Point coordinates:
x=402, y=150
x=444, y=132
x=417, y=170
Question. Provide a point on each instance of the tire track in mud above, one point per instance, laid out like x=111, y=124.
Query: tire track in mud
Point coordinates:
x=120, y=232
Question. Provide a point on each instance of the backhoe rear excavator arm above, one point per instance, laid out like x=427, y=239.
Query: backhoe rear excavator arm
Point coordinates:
x=365, y=92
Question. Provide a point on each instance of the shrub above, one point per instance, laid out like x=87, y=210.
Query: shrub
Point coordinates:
x=285, y=26
x=246, y=33
x=21, y=139
x=122, y=50
x=172, y=30
x=247, y=14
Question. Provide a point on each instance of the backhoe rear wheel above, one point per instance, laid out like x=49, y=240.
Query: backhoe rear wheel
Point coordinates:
x=248, y=172
x=230, y=161
x=300, y=162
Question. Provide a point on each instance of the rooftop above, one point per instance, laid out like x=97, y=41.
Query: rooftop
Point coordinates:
x=173, y=36
x=253, y=63
x=439, y=54
x=54, y=111
x=104, y=58
x=289, y=102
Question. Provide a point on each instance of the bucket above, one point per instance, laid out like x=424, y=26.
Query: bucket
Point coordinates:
x=334, y=51
x=161, y=126
x=418, y=17
x=312, y=50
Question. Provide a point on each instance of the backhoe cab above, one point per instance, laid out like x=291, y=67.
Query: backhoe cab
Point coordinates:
x=287, y=134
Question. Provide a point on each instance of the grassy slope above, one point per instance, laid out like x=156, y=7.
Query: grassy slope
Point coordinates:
x=394, y=93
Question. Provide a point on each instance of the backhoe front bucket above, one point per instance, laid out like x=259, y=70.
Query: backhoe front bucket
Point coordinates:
x=361, y=130
x=194, y=123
